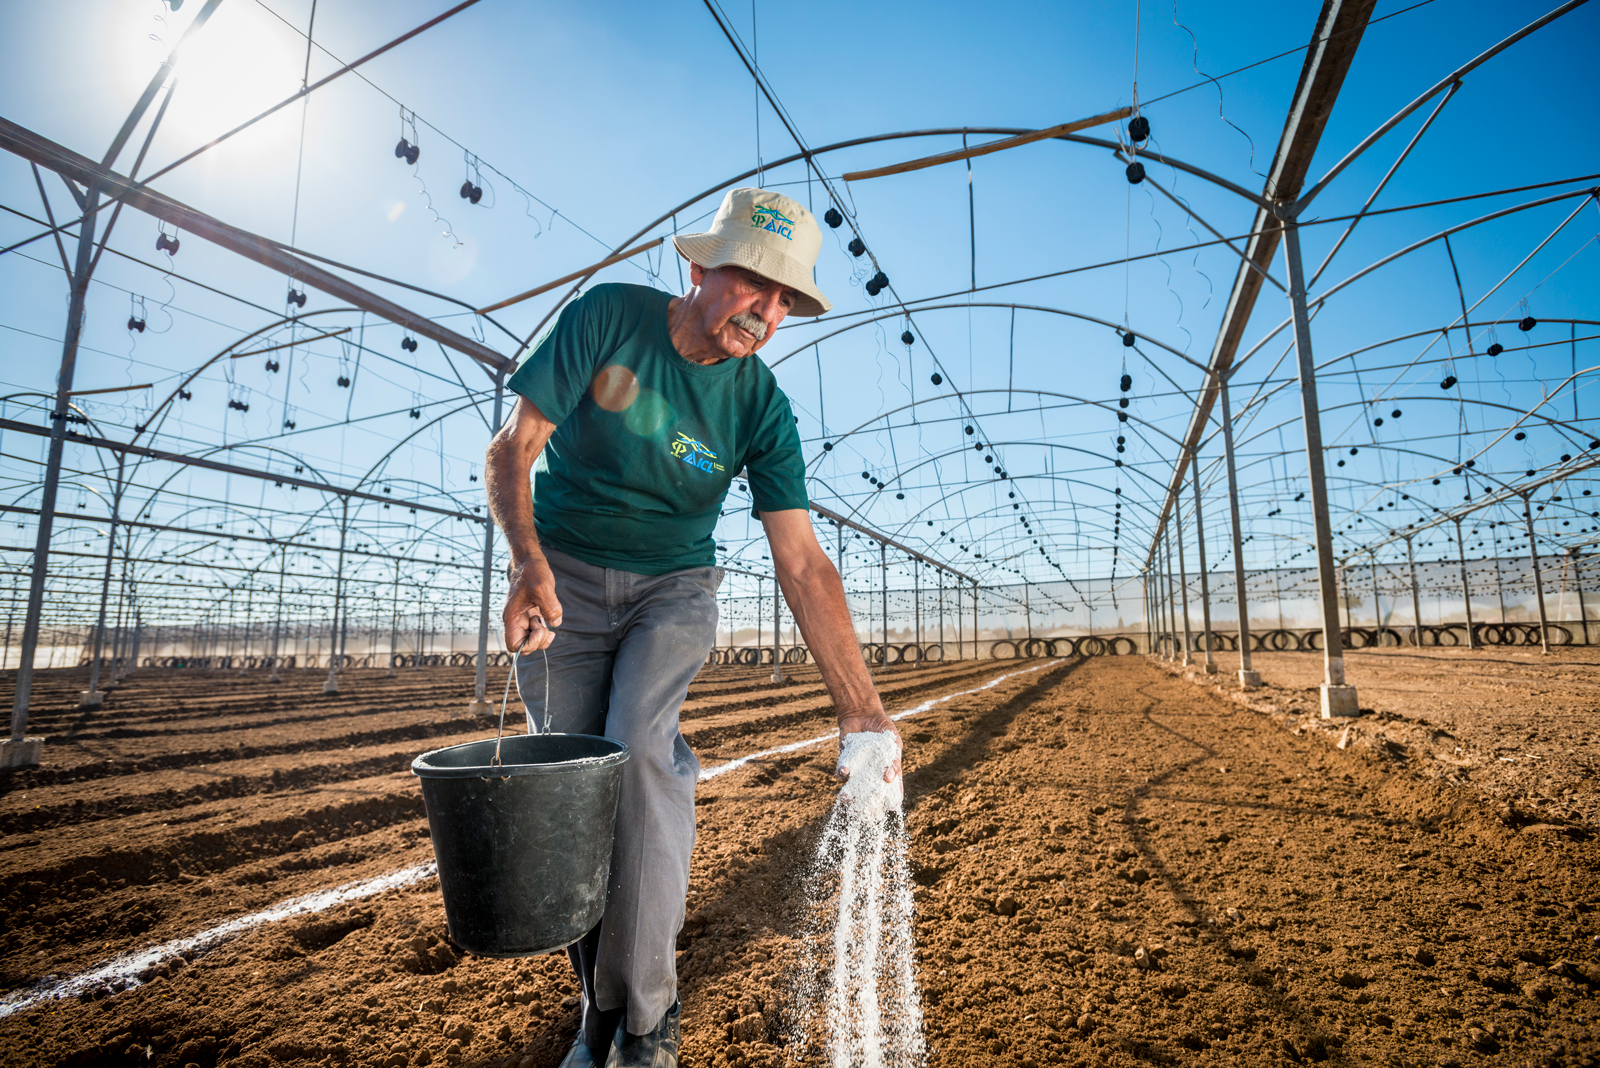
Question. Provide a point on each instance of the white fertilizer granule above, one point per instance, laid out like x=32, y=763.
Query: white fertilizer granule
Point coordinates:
x=858, y=992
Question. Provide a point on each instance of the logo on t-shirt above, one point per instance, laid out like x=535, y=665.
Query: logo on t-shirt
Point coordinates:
x=773, y=220
x=694, y=453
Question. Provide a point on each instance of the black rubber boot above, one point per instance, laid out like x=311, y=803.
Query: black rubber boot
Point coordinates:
x=581, y=1056
x=657, y=1049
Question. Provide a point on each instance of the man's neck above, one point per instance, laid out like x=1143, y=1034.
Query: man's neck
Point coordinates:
x=691, y=344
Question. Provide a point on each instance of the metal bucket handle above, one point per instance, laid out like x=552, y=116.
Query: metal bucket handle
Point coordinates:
x=505, y=698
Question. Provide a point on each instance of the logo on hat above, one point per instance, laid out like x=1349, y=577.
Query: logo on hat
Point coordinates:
x=773, y=221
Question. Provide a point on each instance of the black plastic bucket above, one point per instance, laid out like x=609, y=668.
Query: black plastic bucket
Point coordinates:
x=524, y=848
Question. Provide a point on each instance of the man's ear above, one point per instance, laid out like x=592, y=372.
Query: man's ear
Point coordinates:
x=697, y=273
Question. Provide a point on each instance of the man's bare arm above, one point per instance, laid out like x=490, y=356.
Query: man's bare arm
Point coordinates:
x=815, y=594
x=531, y=601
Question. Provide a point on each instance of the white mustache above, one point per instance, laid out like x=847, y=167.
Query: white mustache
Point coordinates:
x=754, y=324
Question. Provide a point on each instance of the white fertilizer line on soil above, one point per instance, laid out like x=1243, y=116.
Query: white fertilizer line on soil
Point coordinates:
x=123, y=972
x=732, y=765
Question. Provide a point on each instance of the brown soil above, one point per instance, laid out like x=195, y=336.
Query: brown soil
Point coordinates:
x=1062, y=821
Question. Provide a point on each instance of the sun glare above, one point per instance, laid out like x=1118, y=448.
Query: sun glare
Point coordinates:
x=241, y=63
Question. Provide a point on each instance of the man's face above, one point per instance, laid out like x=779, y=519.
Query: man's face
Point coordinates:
x=740, y=310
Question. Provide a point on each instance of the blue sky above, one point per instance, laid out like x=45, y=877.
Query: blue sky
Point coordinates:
x=583, y=123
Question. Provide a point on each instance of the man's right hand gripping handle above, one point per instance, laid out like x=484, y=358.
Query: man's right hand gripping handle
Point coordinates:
x=532, y=609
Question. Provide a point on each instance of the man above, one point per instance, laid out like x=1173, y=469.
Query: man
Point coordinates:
x=640, y=409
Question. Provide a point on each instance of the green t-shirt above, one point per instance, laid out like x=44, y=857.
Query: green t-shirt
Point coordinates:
x=646, y=442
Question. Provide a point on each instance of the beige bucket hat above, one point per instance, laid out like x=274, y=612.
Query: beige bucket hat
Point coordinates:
x=767, y=233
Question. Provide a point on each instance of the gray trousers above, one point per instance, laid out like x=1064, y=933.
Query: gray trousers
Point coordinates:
x=621, y=663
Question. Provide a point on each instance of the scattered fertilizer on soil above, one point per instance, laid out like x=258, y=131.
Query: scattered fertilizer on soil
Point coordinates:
x=862, y=1006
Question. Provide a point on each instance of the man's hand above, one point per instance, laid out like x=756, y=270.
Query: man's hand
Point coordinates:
x=532, y=610
x=878, y=723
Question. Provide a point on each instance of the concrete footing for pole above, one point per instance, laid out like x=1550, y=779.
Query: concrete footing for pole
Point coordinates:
x=91, y=698
x=1210, y=669
x=331, y=686
x=23, y=754
x=1249, y=680
x=480, y=708
x=1339, y=702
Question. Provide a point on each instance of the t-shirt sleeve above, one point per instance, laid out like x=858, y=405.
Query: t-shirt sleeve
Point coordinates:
x=775, y=466
x=558, y=371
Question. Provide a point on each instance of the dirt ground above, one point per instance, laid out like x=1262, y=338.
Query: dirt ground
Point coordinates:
x=1114, y=865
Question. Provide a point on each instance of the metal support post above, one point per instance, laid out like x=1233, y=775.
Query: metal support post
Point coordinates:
x=1344, y=584
x=1338, y=699
x=1169, y=616
x=974, y=619
x=884, y=566
x=1577, y=580
x=93, y=697
x=1377, y=603
x=916, y=604
x=1027, y=610
x=19, y=750
x=1183, y=582
x=777, y=631
x=394, y=621
x=1538, y=579
x=1466, y=590
x=480, y=704
x=1248, y=679
x=1416, y=602
x=1205, y=584
x=277, y=622
x=332, y=685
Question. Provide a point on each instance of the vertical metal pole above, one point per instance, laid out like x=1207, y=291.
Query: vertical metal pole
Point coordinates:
x=777, y=631
x=1248, y=679
x=1416, y=602
x=940, y=574
x=1183, y=579
x=974, y=619
x=1144, y=590
x=1466, y=591
x=1205, y=584
x=17, y=750
x=1168, y=601
x=916, y=603
x=1500, y=587
x=1377, y=604
x=1338, y=699
x=277, y=622
x=1538, y=579
x=422, y=623
x=394, y=621
x=1344, y=583
x=480, y=682
x=1027, y=609
x=10, y=617
x=1577, y=580
x=883, y=564
x=92, y=697
x=332, y=685
x=138, y=632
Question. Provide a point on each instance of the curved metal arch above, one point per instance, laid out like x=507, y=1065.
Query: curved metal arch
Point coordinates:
x=968, y=487
x=951, y=131
x=1524, y=416
x=978, y=392
x=148, y=424
x=1319, y=301
x=899, y=313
